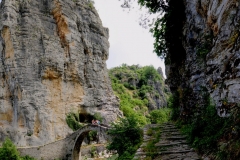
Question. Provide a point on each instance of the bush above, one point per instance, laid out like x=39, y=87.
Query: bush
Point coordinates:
x=205, y=129
x=27, y=158
x=72, y=120
x=173, y=103
x=160, y=116
x=10, y=152
x=92, y=136
x=127, y=137
x=98, y=116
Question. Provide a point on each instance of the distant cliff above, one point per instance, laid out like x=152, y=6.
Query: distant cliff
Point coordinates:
x=52, y=62
x=145, y=84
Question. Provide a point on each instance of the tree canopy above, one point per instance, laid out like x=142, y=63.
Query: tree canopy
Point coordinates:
x=167, y=28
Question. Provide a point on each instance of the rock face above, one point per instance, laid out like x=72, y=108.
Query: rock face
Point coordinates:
x=52, y=62
x=212, y=64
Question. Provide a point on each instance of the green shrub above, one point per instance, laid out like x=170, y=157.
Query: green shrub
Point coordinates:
x=127, y=137
x=27, y=158
x=98, y=116
x=93, y=151
x=72, y=120
x=173, y=103
x=149, y=132
x=92, y=136
x=8, y=151
x=160, y=116
x=205, y=129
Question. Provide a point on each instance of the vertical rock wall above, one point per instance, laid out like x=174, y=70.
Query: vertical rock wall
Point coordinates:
x=212, y=64
x=52, y=62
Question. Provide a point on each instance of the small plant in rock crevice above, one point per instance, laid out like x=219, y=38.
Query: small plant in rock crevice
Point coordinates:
x=93, y=151
x=205, y=46
x=72, y=120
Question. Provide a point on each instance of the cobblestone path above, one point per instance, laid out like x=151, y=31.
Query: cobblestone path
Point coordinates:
x=171, y=145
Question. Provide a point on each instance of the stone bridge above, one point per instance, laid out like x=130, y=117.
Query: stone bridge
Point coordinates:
x=64, y=149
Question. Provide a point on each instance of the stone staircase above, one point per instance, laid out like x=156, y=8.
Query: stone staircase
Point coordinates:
x=171, y=146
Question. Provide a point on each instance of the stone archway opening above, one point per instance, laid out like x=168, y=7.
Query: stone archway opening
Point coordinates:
x=76, y=150
x=84, y=132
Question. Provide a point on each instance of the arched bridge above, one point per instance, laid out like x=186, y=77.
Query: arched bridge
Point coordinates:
x=64, y=149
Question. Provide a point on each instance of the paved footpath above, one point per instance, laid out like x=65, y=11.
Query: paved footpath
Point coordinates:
x=171, y=146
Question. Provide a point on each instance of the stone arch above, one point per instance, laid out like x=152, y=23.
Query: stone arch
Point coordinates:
x=82, y=134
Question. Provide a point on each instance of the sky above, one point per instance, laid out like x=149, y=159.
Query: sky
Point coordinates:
x=129, y=42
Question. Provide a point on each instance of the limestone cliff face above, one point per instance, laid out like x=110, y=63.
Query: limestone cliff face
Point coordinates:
x=212, y=64
x=52, y=62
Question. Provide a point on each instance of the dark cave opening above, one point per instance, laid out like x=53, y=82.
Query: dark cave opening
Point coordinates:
x=85, y=118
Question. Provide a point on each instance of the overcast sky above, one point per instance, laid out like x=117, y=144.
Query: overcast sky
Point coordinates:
x=129, y=42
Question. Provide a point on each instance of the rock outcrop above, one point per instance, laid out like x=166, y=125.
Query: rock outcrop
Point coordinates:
x=52, y=62
x=212, y=63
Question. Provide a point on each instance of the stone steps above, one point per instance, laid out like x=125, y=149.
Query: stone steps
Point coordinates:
x=171, y=146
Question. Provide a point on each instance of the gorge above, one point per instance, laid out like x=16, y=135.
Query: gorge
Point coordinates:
x=53, y=63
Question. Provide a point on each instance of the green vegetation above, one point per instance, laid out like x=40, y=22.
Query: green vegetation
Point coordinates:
x=205, y=46
x=167, y=30
x=127, y=137
x=73, y=120
x=92, y=136
x=206, y=131
x=91, y=4
x=97, y=116
x=93, y=151
x=133, y=85
x=150, y=148
x=173, y=104
x=160, y=116
x=10, y=152
x=114, y=157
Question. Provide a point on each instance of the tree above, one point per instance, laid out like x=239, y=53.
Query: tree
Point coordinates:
x=127, y=137
x=9, y=151
x=167, y=28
